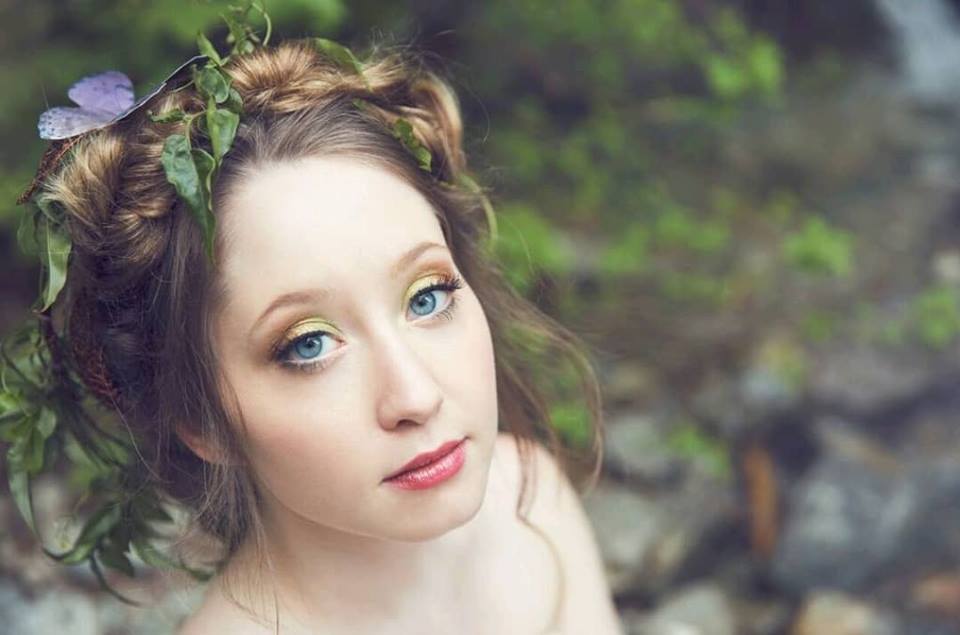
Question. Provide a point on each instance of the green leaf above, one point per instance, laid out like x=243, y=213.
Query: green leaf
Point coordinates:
x=211, y=82
x=20, y=490
x=206, y=164
x=207, y=49
x=222, y=128
x=182, y=172
x=170, y=116
x=10, y=429
x=106, y=585
x=235, y=28
x=56, y=253
x=153, y=556
x=149, y=509
x=340, y=54
x=15, y=430
x=27, y=234
x=234, y=102
x=9, y=405
x=403, y=130
x=100, y=523
x=46, y=422
x=78, y=553
x=34, y=452
x=114, y=557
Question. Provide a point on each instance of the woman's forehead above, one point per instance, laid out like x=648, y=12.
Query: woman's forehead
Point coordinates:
x=333, y=206
x=321, y=223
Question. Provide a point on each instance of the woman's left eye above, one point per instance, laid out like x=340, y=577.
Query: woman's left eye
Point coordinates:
x=423, y=303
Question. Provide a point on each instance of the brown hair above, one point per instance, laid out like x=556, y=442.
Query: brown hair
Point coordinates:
x=140, y=293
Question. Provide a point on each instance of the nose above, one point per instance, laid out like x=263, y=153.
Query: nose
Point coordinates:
x=406, y=390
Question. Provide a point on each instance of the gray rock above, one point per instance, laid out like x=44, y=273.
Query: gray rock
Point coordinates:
x=646, y=541
x=863, y=378
x=848, y=518
x=702, y=609
x=627, y=527
x=635, y=445
x=840, y=614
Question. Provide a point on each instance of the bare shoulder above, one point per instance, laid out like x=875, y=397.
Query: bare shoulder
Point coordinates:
x=556, y=509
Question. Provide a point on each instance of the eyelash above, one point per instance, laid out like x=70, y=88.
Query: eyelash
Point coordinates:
x=447, y=282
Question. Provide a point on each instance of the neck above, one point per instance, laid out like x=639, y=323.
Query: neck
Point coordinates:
x=318, y=572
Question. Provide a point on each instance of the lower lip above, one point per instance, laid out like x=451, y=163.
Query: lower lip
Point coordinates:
x=432, y=474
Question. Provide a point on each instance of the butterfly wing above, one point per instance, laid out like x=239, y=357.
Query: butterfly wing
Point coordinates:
x=172, y=77
x=62, y=122
x=110, y=92
x=103, y=99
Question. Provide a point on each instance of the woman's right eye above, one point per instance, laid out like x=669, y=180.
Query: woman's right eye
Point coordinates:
x=307, y=347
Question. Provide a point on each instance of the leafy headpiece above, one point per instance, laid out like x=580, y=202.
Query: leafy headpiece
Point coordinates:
x=48, y=413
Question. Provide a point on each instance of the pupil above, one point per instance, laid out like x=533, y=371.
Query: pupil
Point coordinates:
x=426, y=300
x=309, y=347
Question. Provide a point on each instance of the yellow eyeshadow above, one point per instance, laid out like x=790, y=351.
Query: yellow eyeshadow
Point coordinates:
x=421, y=284
x=303, y=328
x=313, y=325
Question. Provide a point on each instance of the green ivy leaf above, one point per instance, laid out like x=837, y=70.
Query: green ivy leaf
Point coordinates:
x=9, y=405
x=27, y=234
x=222, y=128
x=182, y=173
x=149, y=509
x=234, y=102
x=153, y=556
x=34, y=452
x=236, y=31
x=171, y=116
x=206, y=48
x=20, y=490
x=340, y=54
x=212, y=83
x=205, y=165
x=114, y=556
x=56, y=252
x=100, y=523
x=403, y=130
x=46, y=422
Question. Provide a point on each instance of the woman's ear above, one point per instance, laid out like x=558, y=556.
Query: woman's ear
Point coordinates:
x=201, y=447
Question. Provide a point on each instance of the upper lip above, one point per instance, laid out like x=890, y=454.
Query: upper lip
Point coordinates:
x=427, y=457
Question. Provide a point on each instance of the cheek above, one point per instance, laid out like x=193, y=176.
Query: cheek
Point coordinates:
x=291, y=436
x=476, y=365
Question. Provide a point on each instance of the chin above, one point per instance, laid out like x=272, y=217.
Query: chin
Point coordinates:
x=439, y=513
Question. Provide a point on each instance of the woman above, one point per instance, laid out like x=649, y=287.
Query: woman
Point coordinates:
x=351, y=324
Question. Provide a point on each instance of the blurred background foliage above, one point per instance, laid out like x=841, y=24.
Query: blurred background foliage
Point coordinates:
x=601, y=127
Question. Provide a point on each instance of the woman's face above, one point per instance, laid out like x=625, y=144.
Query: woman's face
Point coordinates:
x=344, y=362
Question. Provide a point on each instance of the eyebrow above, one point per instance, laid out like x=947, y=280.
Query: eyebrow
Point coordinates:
x=309, y=295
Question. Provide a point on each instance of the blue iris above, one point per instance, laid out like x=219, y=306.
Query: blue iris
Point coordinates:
x=309, y=347
x=431, y=303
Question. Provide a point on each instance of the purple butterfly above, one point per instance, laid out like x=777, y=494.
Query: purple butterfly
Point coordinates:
x=101, y=100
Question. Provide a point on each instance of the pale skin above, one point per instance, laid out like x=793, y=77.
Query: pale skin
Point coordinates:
x=404, y=370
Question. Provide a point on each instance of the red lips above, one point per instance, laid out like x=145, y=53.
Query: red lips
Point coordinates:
x=427, y=457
